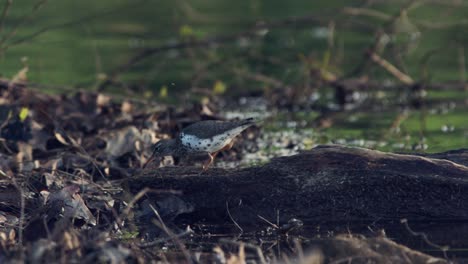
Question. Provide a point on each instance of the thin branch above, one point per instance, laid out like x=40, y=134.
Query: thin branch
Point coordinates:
x=146, y=53
x=257, y=31
x=377, y=44
x=261, y=257
x=260, y=78
x=132, y=203
x=71, y=23
x=424, y=237
x=4, y=14
x=427, y=24
x=160, y=223
x=441, y=25
x=157, y=242
x=366, y=12
x=268, y=222
x=232, y=219
x=462, y=64
x=24, y=20
x=391, y=69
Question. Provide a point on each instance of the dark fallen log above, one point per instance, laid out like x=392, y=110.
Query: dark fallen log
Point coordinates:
x=327, y=183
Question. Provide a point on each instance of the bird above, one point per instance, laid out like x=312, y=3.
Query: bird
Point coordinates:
x=203, y=137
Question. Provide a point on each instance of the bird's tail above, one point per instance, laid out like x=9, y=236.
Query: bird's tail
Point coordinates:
x=249, y=121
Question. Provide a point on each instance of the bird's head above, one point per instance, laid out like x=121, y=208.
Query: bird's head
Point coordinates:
x=164, y=147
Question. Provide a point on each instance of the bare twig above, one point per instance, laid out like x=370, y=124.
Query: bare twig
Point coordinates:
x=146, y=53
x=260, y=78
x=377, y=44
x=24, y=20
x=261, y=257
x=257, y=31
x=424, y=237
x=132, y=203
x=367, y=12
x=73, y=143
x=70, y=23
x=232, y=219
x=160, y=223
x=418, y=22
x=462, y=63
x=136, y=198
x=162, y=240
x=268, y=222
x=440, y=25
x=391, y=69
x=6, y=8
x=22, y=212
x=97, y=55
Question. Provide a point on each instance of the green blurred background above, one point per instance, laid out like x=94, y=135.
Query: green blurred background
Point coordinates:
x=77, y=44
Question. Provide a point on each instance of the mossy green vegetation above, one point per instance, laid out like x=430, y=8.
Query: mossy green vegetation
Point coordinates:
x=75, y=44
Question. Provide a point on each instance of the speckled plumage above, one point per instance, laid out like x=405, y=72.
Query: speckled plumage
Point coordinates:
x=211, y=128
x=211, y=136
x=208, y=137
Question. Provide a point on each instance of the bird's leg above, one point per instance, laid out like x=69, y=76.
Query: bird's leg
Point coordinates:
x=212, y=156
x=209, y=161
x=228, y=146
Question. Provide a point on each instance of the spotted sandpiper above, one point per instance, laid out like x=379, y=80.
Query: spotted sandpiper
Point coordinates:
x=203, y=137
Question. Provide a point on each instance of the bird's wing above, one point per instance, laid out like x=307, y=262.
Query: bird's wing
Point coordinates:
x=211, y=128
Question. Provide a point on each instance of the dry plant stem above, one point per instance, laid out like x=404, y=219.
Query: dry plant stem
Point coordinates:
x=366, y=12
x=97, y=56
x=350, y=259
x=24, y=20
x=136, y=198
x=21, y=222
x=251, y=33
x=160, y=223
x=391, y=69
x=162, y=240
x=261, y=257
x=130, y=205
x=300, y=251
x=361, y=66
x=149, y=52
x=6, y=8
x=461, y=62
x=268, y=222
x=234, y=221
x=423, y=235
x=74, y=144
x=22, y=214
x=420, y=23
x=259, y=78
x=400, y=118
x=70, y=23
x=451, y=3
x=377, y=45
x=285, y=258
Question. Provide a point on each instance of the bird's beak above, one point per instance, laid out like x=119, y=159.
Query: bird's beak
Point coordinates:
x=153, y=156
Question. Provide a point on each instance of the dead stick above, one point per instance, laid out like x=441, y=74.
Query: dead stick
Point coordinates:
x=23, y=21
x=377, y=44
x=391, y=69
x=461, y=62
x=254, y=32
x=6, y=8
